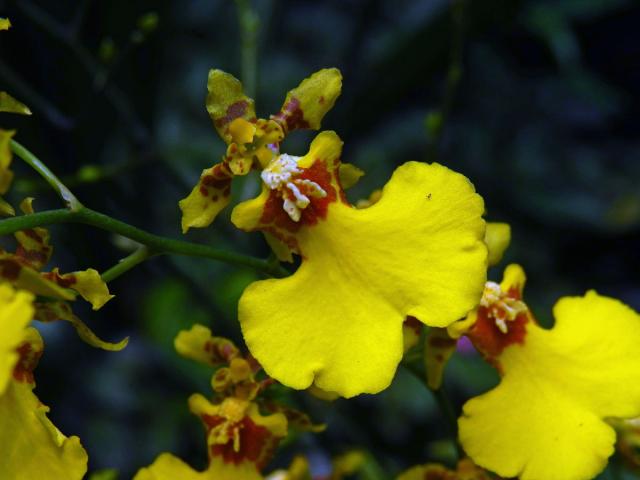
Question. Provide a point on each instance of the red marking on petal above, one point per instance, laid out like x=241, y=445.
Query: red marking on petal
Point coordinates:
x=235, y=110
x=442, y=342
x=33, y=257
x=65, y=282
x=490, y=341
x=414, y=324
x=32, y=234
x=256, y=444
x=291, y=117
x=10, y=269
x=23, y=371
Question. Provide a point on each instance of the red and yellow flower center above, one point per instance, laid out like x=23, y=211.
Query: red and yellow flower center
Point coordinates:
x=501, y=320
x=285, y=177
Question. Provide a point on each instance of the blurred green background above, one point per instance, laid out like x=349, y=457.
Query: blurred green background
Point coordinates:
x=543, y=120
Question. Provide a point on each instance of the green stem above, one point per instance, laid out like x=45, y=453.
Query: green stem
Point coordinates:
x=156, y=244
x=446, y=407
x=63, y=192
x=126, y=264
x=249, y=22
x=436, y=121
x=443, y=401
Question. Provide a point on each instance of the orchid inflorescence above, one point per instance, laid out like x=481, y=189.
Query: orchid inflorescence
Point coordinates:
x=404, y=271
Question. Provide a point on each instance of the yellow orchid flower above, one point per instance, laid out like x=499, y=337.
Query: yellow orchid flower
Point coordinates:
x=32, y=446
x=252, y=142
x=337, y=321
x=240, y=439
x=546, y=418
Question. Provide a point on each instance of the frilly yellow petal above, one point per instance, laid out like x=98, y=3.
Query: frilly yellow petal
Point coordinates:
x=32, y=446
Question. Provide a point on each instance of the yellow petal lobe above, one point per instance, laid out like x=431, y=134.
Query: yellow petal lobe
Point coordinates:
x=5, y=24
x=349, y=175
x=200, y=345
x=6, y=175
x=545, y=420
x=208, y=197
x=497, y=237
x=11, y=105
x=87, y=283
x=226, y=102
x=16, y=311
x=32, y=446
x=306, y=105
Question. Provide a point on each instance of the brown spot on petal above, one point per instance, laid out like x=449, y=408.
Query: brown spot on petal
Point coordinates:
x=490, y=341
x=9, y=269
x=291, y=117
x=256, y=443
x=235, y=110
x=441, y=342
x=23, y=371
x=414, y=324
x=66, y=282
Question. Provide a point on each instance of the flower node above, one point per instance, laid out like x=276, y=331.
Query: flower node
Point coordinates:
x=502, y=306
x=281, y=175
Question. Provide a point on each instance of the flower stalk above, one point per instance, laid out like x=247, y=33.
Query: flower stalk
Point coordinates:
x=156, y=245
x=60, y=188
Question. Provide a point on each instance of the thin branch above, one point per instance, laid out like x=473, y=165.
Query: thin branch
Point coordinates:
x=156, y=244
x=126, y=264
x=63, y=192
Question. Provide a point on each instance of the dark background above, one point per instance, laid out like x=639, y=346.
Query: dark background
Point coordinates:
x=544, y=121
